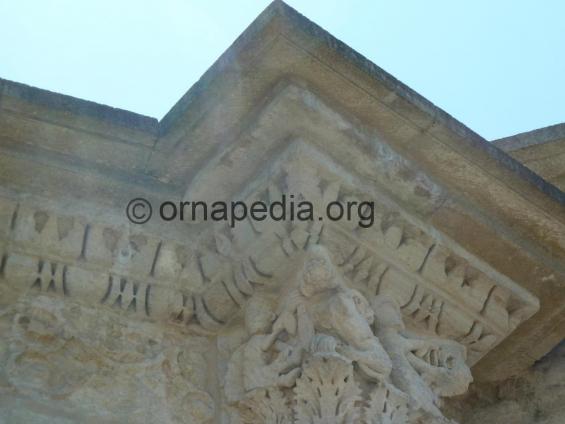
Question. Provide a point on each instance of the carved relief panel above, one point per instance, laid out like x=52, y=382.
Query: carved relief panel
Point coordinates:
x=322, y=352
x=266, y=322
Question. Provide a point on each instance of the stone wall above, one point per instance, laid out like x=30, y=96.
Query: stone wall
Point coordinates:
x=64, y=363
x=536, y=396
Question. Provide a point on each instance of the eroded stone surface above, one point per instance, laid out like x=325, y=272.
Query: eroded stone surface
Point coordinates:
x=69, y=363
x=269, y=321
x=535, y=397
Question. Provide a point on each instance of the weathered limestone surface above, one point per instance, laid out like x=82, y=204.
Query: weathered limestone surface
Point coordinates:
x=461, y=276
x=536, y=396
x=62, y=364
x=542, y=150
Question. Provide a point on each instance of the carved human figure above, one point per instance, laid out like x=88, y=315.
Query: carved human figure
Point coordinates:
x=319, y=302
x=262, y=369
x=425, y=368
x=264, y=361
x=322, y=303
x=321, y=346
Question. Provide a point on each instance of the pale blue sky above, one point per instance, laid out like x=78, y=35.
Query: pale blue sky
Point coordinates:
x=498, y=66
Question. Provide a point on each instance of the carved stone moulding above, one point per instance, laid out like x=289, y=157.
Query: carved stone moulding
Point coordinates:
x=441, y=289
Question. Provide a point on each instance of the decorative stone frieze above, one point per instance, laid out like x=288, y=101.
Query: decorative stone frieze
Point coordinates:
x=203, y=284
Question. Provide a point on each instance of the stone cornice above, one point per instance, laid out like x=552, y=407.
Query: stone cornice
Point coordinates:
x=201, y=285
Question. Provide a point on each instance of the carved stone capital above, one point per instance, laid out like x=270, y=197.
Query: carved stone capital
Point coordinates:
x=322, y=352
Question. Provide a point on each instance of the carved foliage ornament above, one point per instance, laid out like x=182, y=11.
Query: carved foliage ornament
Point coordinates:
x=324, y=353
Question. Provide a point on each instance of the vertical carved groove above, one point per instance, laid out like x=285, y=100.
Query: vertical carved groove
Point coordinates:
x=3, y=262
x=84, y=241
x=155, y=259
x=109, y=289
x=147, y=302
x=64, y=284
x=14, y=219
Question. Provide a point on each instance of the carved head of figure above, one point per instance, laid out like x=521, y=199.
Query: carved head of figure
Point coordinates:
x=318, y=273
x=387, y=313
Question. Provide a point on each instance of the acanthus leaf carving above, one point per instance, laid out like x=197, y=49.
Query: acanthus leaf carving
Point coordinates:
x=327, y=392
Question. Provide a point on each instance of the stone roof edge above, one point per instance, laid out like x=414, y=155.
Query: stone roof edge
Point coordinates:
x=426, y=106
x=278, y=8
x=538, y=136
x=77, y=106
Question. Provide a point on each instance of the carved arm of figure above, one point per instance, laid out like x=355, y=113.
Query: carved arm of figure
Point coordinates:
x=280, y=372
x=370, y=361
x=424, y=368
x=351, y=317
